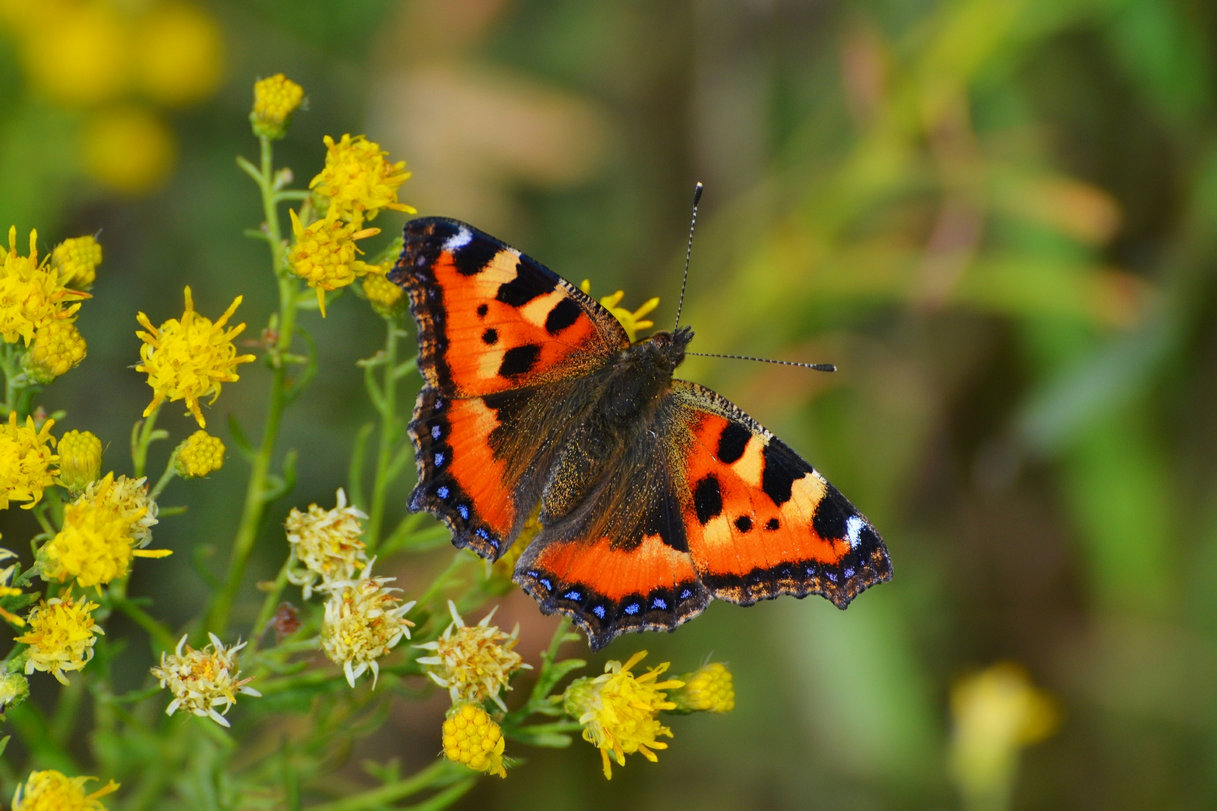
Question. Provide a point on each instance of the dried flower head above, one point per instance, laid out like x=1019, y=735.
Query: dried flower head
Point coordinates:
x=475, y=662
x=364, y=620
x=325, y=544
x=203, y=680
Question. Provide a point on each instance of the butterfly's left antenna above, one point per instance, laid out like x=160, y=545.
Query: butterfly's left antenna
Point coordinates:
x=688, y=253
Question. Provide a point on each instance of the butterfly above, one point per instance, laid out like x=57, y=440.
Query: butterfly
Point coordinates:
x=653, y=495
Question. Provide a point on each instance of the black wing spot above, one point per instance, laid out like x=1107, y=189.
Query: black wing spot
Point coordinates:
x=732, y=441
x=777, y=479
x=772, y=524
x=490, y=337
x=565, y=313
x=472, y=258
x=743, y=523
x=519, y=360
x=707, y=499
x=483, y=308
x=831, y=514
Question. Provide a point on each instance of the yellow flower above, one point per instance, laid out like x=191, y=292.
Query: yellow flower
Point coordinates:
x=357, y=181
x=61, y=633
x=58, y=346
x=77, y=259
x=386, y=298
x=325, y=545
x=363, y=622
x=632, y=320
x=14, y=689
x=54, y=791
x=128, y=149
x=8, y=590
x=103, y=530
x=997, y=713
x=79, y=459
x=32, y=295
x=618, y=710
x=202, y=680
x=188, y=359
x=178, y=52
x=324, y=255
x=198, y=455
x=26, y=460
x=474, y=662
x=276, y=98
x=473, y=738
x=707, y=689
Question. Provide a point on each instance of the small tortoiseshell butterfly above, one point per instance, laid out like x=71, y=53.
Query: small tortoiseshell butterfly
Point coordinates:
x=654, y=495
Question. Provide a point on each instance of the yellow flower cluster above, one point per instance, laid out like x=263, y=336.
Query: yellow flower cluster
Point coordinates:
x=60, y=634
x=189, y=358
x=103, y=530
x=276, y=98
x=386, y=298
x=473, y=663
x=363, y=622
x=473, y=738
x=203, y=680
x=619, y=710
x=325, y=254
x=54, y=791
x=198, y=455
x=38, y=309
x=79, y=459
x=707, y=689
x=77, y=259
x=356, y=184
x=27, y=461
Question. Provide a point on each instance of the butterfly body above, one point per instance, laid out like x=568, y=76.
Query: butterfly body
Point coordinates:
x=654, y=495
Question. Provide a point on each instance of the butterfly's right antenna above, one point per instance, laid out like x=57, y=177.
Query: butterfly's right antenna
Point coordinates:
x=688, y=253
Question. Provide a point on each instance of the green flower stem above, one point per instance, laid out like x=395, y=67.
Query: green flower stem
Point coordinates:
x=390, y=433
x=458, y=778
x=256, y=491
x=269, y=604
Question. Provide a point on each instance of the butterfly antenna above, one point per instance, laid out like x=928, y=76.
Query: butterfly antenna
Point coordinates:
x=819, y=367
x=688, y=253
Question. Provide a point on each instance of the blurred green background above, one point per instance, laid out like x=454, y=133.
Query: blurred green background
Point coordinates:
x=997, y=217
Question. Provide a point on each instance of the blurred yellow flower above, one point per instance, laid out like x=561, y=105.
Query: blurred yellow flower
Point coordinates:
x=80, y=54
x=618, y=710
x=324, y=255
x=79, y=459
x=276, y=98
x=632, y=320
x=473, y=662
x=103, y=530
x=128, y=149
x=363, y=622
x=997, y=713
x=473, y=738
x=51, y=790
x=203, y=680
x=60, y=635
x=26, y=461
x=77, y=259
x=189, y=358
x=357, y=181
x=178, y=53
x=198, y=455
